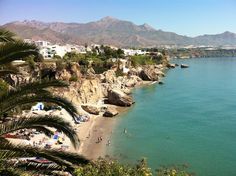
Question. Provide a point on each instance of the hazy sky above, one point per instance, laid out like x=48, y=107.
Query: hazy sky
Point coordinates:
x=187, y=17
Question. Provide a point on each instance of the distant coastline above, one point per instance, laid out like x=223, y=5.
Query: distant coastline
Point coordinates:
x=205, y=52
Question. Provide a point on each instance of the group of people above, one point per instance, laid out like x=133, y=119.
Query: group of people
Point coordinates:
x=108, y=141
x=99, y=139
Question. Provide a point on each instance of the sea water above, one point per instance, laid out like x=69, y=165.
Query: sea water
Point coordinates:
x=190, y=119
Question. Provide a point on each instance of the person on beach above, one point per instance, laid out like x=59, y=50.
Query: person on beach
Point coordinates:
x=108, y=142
x=88, y=135
x=125, y=131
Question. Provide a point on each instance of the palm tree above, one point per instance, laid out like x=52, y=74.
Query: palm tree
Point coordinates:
x=10, y=50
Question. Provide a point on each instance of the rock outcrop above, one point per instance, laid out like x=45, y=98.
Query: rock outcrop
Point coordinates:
x=117, y=97
x=64, y=75
x=109, y=76
x=110, y=112
x=92, y=109
x=148, y=75
x=90, y=91
x=14, y=80
x=169, y=65
x=132, y=81
x=75, y=70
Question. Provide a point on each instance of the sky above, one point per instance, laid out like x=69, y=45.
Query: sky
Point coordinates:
x=185, y=17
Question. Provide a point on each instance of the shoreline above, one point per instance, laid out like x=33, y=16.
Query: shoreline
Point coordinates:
x=100, y=127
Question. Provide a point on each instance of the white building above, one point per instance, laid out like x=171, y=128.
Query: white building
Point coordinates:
x=131, y=52
x=123, y=65
x=41, y=43
x=48, y=50
x=59, y=50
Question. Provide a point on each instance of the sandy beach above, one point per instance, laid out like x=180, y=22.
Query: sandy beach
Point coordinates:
x=90, y=131
x=99, y=126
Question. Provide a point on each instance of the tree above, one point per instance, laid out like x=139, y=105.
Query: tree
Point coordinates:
x=11, y=50
x=120, y=53
x=56, y=57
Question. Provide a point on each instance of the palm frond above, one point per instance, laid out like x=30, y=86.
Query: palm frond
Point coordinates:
x=44, y=130
x=34, y=87
x=11, y=51
x=5, y=72
x=6, y=36
x=34, y=151
x=41, y=122
x=64, y=103
x=71, y=157
x=7, y=154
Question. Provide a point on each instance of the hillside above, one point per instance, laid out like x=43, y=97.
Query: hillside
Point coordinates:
x=112, y=31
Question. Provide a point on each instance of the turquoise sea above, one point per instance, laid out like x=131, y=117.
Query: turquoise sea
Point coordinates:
x=191, y=119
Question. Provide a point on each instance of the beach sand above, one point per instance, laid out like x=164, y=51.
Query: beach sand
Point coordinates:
x=99, y=126
x=95, y=128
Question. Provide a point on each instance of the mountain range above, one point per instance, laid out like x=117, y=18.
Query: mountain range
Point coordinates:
x=112, y=31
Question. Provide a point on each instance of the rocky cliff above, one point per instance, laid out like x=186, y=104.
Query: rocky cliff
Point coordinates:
x=93, y=93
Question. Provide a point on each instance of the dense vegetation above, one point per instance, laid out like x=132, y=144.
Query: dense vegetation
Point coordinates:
x=99, y=58
x=113, y=168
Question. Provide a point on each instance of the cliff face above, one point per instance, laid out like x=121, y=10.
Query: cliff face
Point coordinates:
x=98, y=88
x=92, y=89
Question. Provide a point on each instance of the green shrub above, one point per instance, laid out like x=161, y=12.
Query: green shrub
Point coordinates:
x=99, y=70
x=119, y=73
x=173, y=171
x=73, y=78
x=57, y=57
x=141, y=60
x=39, y=58
x=104, y=167
x=60, y=65
x=83, y=69
x=108, y=167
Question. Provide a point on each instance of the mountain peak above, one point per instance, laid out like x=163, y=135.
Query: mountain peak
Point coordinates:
x=147, y=27
x=228, y=32
x=109, y=18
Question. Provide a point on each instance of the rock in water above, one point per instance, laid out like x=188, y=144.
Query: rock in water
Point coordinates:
x=184, y=66
x=92, y=109
x=110, y=112
x=148, y=75
x=171, y=65
x=117, y=97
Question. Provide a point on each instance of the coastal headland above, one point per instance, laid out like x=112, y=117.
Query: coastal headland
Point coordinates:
x=100, y=97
